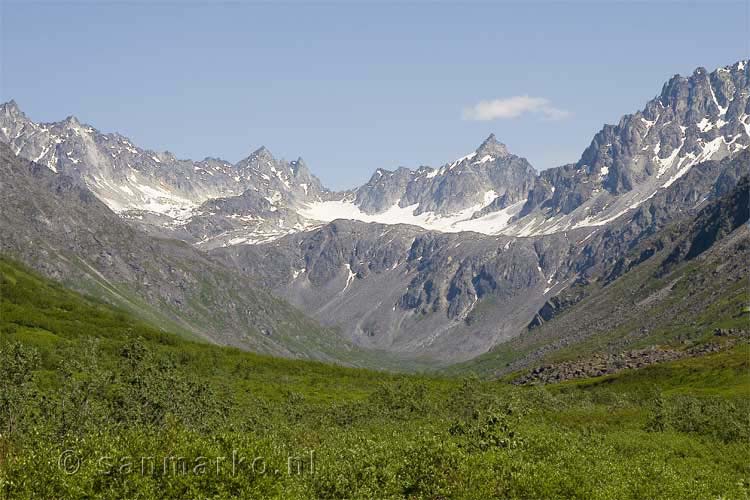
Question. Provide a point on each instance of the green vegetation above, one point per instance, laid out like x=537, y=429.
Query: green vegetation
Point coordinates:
x=96, y=404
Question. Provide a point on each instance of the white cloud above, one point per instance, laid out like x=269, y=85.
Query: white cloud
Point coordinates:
x=513, y=107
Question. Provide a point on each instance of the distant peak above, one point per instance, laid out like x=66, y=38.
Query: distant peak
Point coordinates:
x=378, y=174
x=262, y=152
x=491, y=146
x=700, y=70
x=740, y=65
x=11, y=107
x=298, y=165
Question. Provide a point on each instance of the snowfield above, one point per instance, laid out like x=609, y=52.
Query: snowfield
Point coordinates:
x=493, y=223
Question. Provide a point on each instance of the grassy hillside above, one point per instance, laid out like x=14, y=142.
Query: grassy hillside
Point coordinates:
x=96, y=404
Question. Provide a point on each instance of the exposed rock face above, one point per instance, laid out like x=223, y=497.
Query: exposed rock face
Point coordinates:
x=610, y=253
x=452, y=296
x=647, y=296
x=488, y=175
x=491, y=191
x=713, y=223
x=609, y=248
x=407, y=290
x=559, y=303
x=157, y=189
x=701, y=117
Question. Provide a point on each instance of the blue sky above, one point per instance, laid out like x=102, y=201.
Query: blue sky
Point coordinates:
x=355, y=86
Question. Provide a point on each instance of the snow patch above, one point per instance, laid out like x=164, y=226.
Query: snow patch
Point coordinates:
x=349, y=278
x=491, y=223
x=711, y=148
x=705, y=125
x=463, y=158
x=722, y=110
x=484, y=159
x=666, y=163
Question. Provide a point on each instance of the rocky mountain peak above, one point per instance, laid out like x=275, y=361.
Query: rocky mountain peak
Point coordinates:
x=301, y=172
x=71, y=120
x=695, y=118
x=299, y=167
x=11, y=108
x=261, y=158
x=212, y=159
x=704, y=116
x=700, y=71
x=491, y=146
x=262, y=153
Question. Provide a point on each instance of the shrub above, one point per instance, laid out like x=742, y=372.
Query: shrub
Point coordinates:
x=485, y=430
x=17, y=365
x=401, y=399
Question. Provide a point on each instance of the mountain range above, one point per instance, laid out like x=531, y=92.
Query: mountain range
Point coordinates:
x=436, y=264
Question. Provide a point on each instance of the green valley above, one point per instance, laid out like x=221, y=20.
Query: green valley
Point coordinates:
x=88, y=392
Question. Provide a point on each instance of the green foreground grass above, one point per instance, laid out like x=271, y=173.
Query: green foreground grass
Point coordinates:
x=95, y=404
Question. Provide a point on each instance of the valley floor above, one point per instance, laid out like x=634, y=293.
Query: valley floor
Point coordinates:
x=95, y=404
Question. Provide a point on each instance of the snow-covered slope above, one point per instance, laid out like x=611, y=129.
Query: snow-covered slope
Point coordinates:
x=215, y=203
x=490, y=171
x=702, y=117
x=491, y=223
x=139, y=183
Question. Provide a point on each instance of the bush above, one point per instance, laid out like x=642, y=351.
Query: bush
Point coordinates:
x=401, y=399
x=17, y=365
x=485, y=430
x=719, y=418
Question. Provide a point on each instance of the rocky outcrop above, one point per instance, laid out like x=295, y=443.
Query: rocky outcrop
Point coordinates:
x=642, y=303
x=491, y=174
x=162, y=193
x=559, y=303
x=606, y=364
x=408, y=290
x=704, y=116
x=713, y=223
